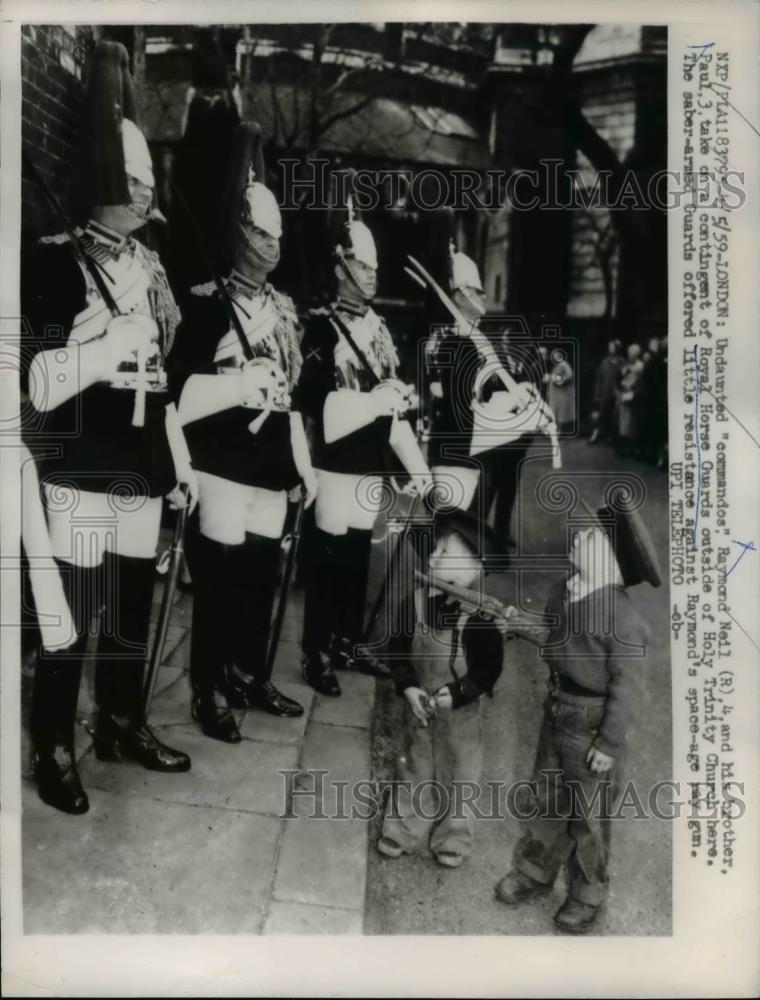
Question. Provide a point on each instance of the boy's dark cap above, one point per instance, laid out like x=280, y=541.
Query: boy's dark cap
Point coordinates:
x=478, y=535
x=633, y=546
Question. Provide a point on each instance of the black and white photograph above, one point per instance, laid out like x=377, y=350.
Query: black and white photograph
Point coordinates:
x=357, y=521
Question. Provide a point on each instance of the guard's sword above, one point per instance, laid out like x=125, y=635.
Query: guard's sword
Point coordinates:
x=292, y=548
x=164, y=615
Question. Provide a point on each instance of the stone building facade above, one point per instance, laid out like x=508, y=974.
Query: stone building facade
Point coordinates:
x=477, y=97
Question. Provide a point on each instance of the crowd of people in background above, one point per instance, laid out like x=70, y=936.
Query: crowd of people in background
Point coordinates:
x=631, y=400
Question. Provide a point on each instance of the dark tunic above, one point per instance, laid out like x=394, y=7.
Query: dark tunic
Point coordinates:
x=456, y=364
x=480, y=640
x=98, y=448
x=363, y=451
x=221, y=444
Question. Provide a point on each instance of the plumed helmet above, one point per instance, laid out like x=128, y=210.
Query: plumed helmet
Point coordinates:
x=137, y=159
x=464, y=271
x=200, y=174
x=631, y=542
x=263, y=210
x=356, y=240
x=244, y=195
x=112, y=145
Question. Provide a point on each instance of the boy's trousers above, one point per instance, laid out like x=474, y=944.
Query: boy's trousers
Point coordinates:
x=437, y=771
x=439, y=765
x=568, y=805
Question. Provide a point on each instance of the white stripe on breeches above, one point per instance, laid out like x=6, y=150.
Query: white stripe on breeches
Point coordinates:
x=228, y=510
x=349, y=501
x=85, y=525
x=456, y=485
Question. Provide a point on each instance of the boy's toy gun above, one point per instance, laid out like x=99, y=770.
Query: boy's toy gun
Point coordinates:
x=474, y=601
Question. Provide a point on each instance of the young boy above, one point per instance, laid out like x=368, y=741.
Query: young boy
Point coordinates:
x=443, y=660
x=596, y=654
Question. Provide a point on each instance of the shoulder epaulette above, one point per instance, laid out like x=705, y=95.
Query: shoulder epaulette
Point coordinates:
x=58, y=238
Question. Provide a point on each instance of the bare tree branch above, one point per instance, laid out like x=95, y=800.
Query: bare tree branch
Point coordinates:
x=354, y=109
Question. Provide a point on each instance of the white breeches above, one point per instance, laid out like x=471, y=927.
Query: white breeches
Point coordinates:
x=346, y=501
x=228, y=510
x=455, y=485
x=84, y=525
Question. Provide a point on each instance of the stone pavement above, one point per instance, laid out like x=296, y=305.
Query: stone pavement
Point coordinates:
x=212, y=852
x=209, y=851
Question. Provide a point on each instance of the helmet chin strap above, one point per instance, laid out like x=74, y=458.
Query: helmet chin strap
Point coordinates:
x=476, y=306
x=346, y=268
x=260, y=258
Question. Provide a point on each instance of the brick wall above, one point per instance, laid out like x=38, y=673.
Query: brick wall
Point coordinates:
x=53, y=69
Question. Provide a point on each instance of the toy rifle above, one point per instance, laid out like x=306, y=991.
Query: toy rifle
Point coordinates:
x=476, y=602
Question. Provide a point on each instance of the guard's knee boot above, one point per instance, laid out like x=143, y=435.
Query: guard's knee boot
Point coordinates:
x=349, y=650
x=320, y=621
x=255, y=575
x=354, y=565
x=121, y=731
x=55, y=694
x=209, y=639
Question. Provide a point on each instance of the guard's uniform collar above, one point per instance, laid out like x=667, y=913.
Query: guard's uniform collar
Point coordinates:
x=238, y=282
x=351, y=307
x=98, y=237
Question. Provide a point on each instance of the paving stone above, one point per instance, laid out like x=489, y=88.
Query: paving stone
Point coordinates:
x=323, y=862
x=292, y=623
x=302, y=918
x=258, y=725
x=287, y=664
x=175, y=633
x=179, y=656
x=243, y=777
x=341, y=751
x=134, y=866
x=168, y=676
x=354, y=707
x=171, y=705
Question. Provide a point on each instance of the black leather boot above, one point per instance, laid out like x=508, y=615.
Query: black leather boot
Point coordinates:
x=255, y=579
x=211, y=627
x=55, y=695
x=54, y=703
x=216, y=720
x=319, y=674
x=320, y=597
x=121, y=733
x=353, y=552
x=244, y=692
x=135, y=741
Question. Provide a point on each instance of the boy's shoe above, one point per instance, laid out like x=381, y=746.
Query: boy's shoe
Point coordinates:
x=449, y=859
x=389, y=848
x=575, y=917
x=515, y=888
